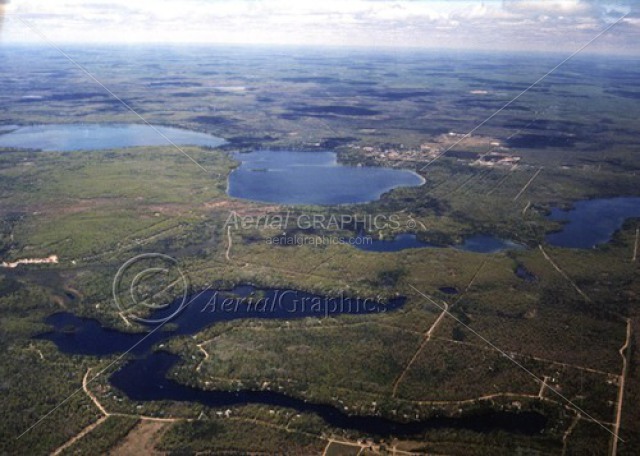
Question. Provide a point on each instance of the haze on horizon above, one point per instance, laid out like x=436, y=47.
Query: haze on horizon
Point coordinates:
x=505, y=25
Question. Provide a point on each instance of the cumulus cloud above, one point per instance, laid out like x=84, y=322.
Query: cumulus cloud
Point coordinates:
x=551, y=6
x=2, y=7
x=508, y=24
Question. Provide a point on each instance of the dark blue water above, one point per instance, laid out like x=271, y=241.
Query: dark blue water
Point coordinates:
x=146, y=380
x=87, y=337
x=592, y=222
x=524, y=274
x=400, y=242
x=84, y=336
x=449, y=290
x=70, y=137
x=476, y=244
x=288, y=177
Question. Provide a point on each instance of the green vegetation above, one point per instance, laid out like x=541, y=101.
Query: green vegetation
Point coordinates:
x=103, y=438
x=97, y=209
x=231, y=437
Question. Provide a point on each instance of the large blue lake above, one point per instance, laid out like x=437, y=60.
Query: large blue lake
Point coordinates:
x=288, y=177
x=284, y=177
x=592, y=222
x=101, y=136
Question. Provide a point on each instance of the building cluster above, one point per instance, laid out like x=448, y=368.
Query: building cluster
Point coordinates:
x=474, y=150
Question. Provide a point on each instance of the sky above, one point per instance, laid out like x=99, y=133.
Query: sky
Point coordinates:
x=519, y=25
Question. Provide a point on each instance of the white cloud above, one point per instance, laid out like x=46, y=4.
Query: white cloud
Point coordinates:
x=510, y=24
x=564, y=6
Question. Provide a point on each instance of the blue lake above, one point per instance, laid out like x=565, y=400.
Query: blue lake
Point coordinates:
x=146, y=380
x=592, y=222
x=477, y=244
x=145, y=377
x=85, y=336
x=400, y=242
x=288, y=177
x=71, y=137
